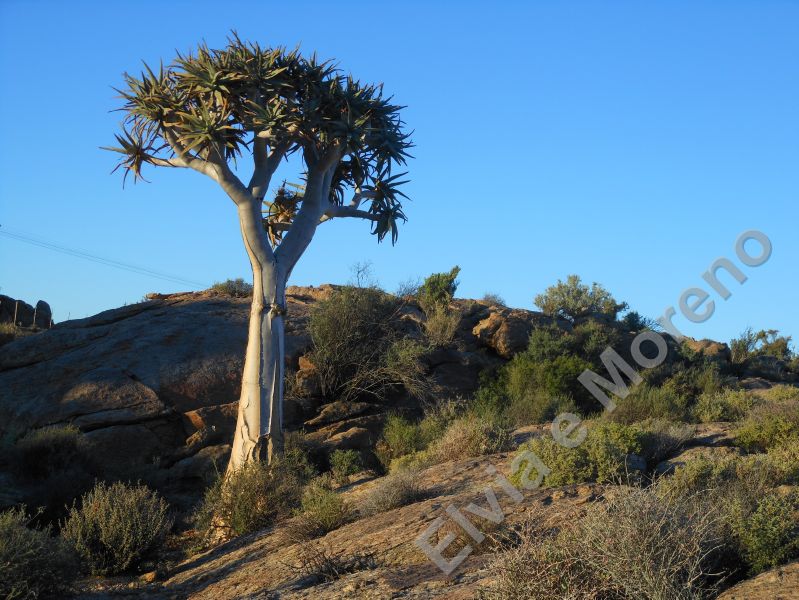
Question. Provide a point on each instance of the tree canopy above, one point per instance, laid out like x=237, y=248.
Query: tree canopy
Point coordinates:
x=207, y=108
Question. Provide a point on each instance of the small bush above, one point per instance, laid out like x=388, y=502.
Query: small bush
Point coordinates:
x=468, y=436
x=660, y=439
x=493, y=299
x=635, y=546
x=116, y=526
x=319, y=563
x=400, y=437
x=694, y=380
x=356, y=350
x=645, y=402
x=769, y=425
x=781, y=393
x=322, y=509
x=32, y=563
x=394, y=490
x=725, y=405
x=441, y=324
x=254, y=496
x=572, y=300
x=438, y=289
x=602, y=457
x=768, y=536
x=235, y=288
x=344, y=463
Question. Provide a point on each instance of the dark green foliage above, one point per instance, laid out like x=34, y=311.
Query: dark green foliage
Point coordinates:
x=768, y=534
x=438, y=289
x=33, y=564
x=322, y=510
x=344, y=463
x=645, y=402
x=116, y=526
x=573, y=300
x=356, y=350
x=54, y=467
x=256, y=495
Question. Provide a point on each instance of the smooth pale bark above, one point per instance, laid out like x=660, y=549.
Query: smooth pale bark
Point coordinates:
x=259, y=424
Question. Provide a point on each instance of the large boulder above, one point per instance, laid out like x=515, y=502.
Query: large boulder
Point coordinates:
x=718, y=352
x=780, y=583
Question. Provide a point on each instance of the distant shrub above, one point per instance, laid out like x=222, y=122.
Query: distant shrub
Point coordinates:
x=441, y=325
x=591, y=338
x=571, y=299
x=116, y=526
x=634, y=321
x=493, y=299
x=235, y=288
x=438, y=289
x=768, y=425
x=724, y=405
x=394, y=490
x=602, y=457
x=344, y=463
x=528, y=378
x=645, y=402
x=760, y=343
x=408, y=288
x=33, y=564
x=254, y=496
x=357, y=351
x=781, y=393
x=634, y=546
x=768, y=533
x=322, y=510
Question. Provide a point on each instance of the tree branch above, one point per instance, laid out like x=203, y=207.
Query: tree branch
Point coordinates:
x=266, y=163
x=198, y=164
x=347, y=211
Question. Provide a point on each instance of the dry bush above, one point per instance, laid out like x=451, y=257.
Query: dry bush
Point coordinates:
x=724, y=405
x=661, y=439
x=394, y=490
x=634, y=546
x=32, y=563
x=468, y=436
x=116, y=526
x=322, y=510
x=441, y=324
x=235, y=288
x=318, y=563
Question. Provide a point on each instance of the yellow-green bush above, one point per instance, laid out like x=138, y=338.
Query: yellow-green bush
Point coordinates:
x=602, y=457
x=723, y=405
x=768, y=532
x=769, y=424
x=116, y=526
x=645, y=402
x=33, y=564
x=344, y=463
x=255, y=495
x=322, y=510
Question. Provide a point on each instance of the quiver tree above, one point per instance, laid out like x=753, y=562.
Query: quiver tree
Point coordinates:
x=209, y=109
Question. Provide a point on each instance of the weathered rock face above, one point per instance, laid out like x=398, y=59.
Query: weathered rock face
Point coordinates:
x=780, y=583
x=715, y=351
x=157, y=382
x=26, y=315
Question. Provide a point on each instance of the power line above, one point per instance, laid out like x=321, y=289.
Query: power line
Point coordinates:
x=28, y=238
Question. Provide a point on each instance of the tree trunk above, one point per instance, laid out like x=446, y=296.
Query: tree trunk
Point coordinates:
x=259, y=425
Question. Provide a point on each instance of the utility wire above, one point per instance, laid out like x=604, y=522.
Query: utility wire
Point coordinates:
x=27, y=238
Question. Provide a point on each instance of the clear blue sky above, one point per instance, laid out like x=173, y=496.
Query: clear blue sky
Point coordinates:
x=628, y=142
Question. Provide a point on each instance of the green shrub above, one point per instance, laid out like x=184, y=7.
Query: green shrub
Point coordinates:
x=555, y=378
x=572, y=300
x=438, y=289
x=235, y=288
x=254, y=496
x=394, y=490
x=441, y=324
x=344, y=463
x=602, y=457
x=781, y=393
x=32, y=563
x=768, y=425
x=691, y=381
x=645, y=402
x=116, y=526
x=591, y=338
x=768, y=535
x=400, y=437
x=761, y=343
x=724, y=405
x=356, y=349
x=322, y=510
